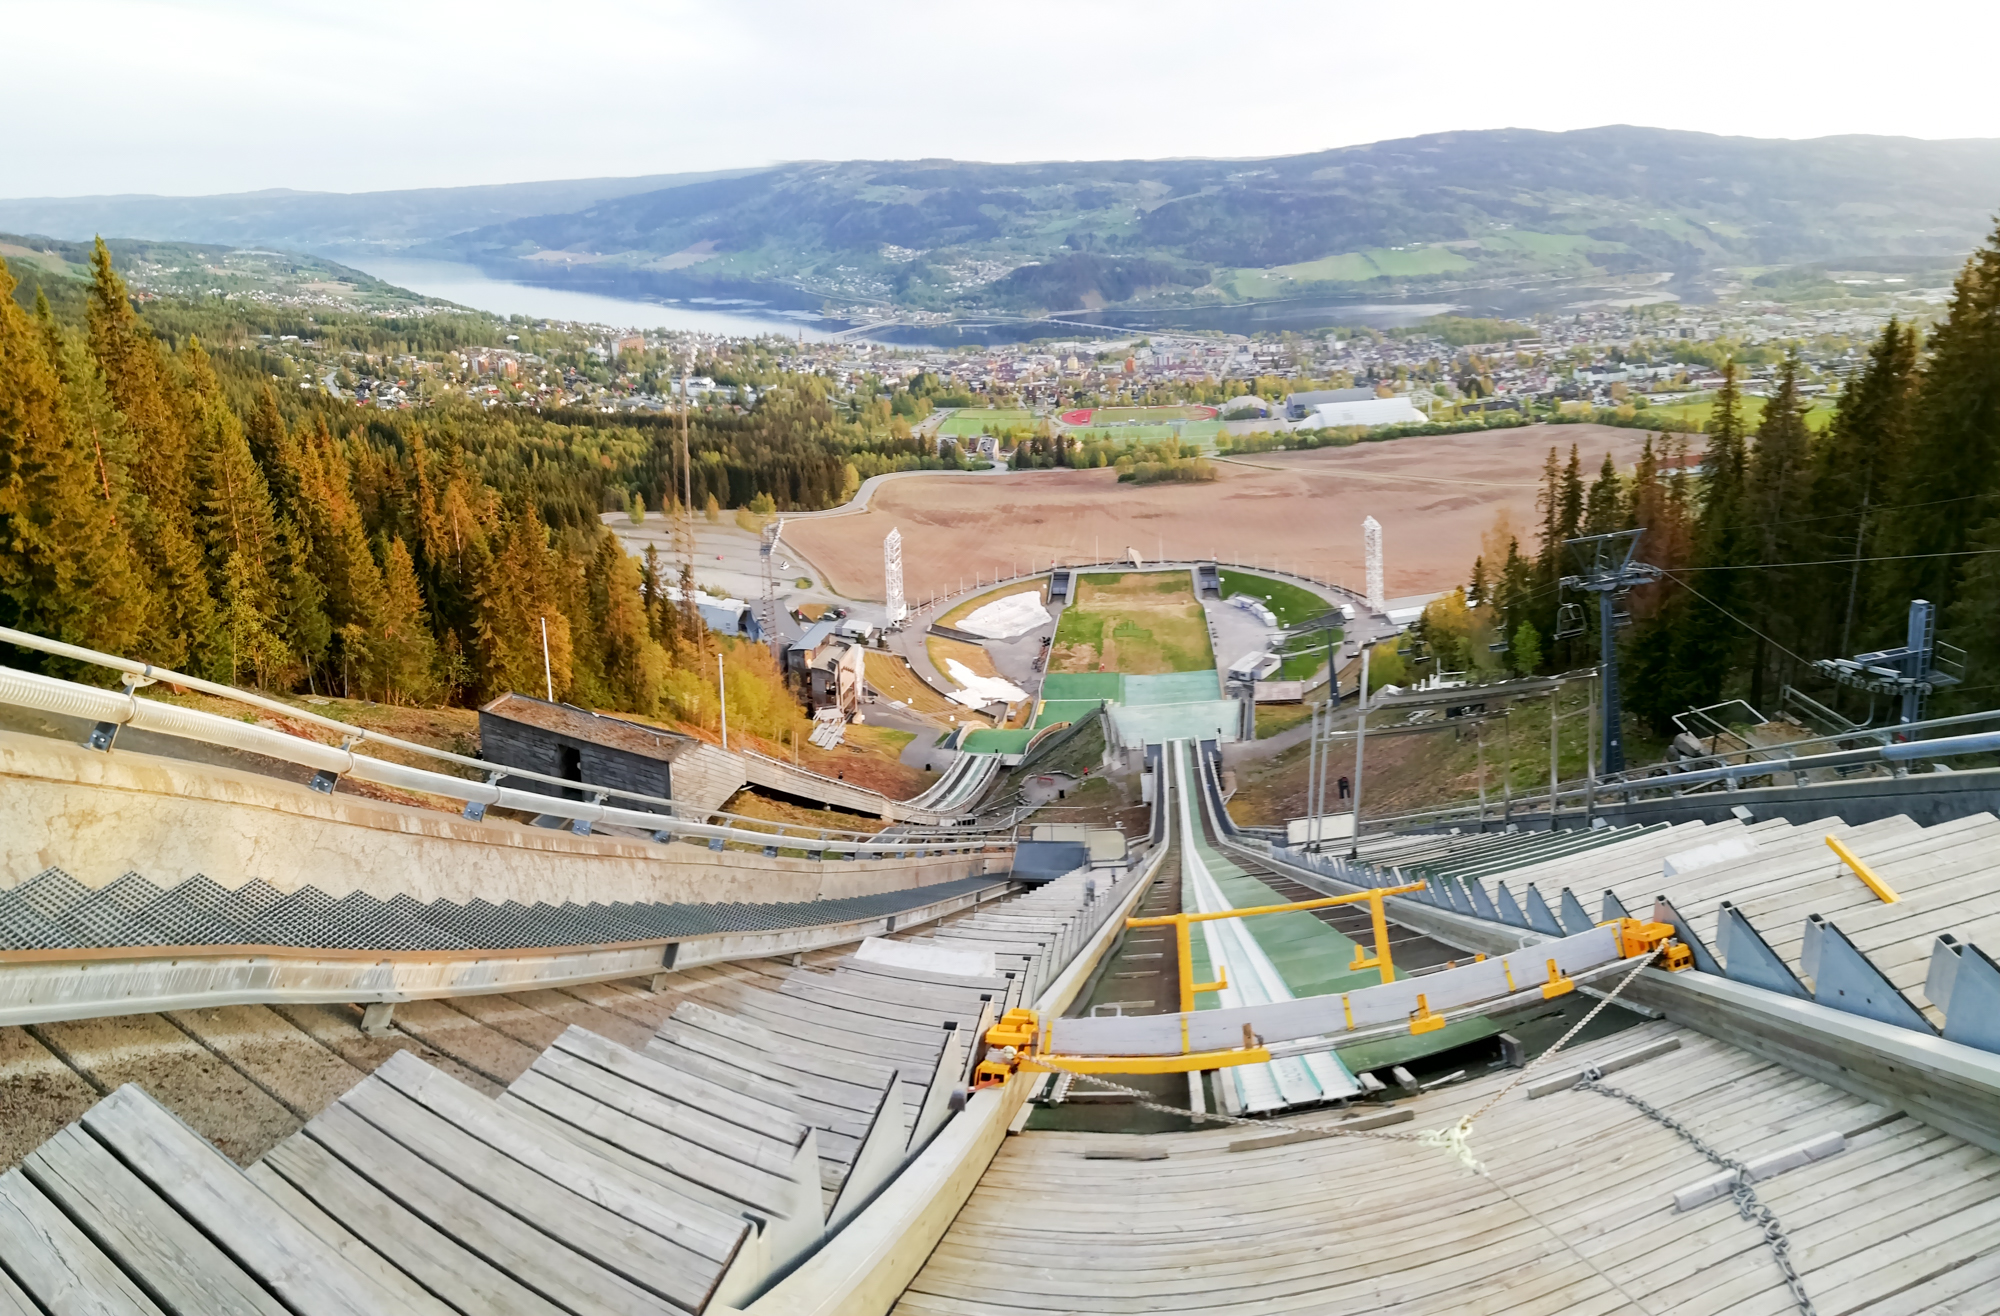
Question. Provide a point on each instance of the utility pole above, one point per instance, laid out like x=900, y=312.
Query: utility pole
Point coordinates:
x=1315, y=747
x=722, y=700
x=1590, y=757
x=548, y=673
x=1479, y=732
x=1555, y=714
x=1611, y=574
x=1360, y=755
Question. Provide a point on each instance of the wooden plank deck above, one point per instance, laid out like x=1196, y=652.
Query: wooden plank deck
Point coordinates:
x=513, y=1154
x=1574, y=1214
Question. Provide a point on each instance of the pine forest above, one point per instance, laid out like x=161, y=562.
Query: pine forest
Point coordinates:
x=1778, y=545
x=159, y=497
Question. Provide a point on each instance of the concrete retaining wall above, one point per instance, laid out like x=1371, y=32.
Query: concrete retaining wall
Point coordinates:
x=98, y=816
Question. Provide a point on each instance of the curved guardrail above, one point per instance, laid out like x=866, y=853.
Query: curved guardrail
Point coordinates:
x=140, y=674
x=124, y=708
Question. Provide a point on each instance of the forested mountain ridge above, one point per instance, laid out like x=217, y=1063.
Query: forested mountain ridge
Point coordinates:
x=946, y=235
x=325, y=223
x=1452, y=207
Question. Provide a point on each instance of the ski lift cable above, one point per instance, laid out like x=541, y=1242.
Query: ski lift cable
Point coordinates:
x=1738, y=620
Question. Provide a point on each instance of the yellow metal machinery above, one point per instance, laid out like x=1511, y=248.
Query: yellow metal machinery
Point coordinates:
x=1010, y=1044
x=1184, y=946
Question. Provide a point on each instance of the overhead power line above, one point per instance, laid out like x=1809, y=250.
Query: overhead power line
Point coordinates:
x=1845, y=561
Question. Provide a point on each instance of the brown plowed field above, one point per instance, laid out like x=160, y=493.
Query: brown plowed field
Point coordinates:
x=1300, y=511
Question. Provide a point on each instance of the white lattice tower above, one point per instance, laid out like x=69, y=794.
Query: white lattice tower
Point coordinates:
x=1371, y=550
x=892, y=575
x=768, y=615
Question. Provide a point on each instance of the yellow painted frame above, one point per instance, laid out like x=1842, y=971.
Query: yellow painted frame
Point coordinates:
x=1184, y=947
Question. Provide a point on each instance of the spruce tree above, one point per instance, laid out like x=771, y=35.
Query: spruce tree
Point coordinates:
x=1855, y=471
x=272, y=446
x=633, y=665
x=1777, y=502
x=1548, y=502
x=1569, y=516
x=403, y=649
x=694, y=631
x=336, y=544
x=517, y=591
x=1952, y=476
x=1687, y=657
x=65, y=569
x=132, y=365
x=234, y=517
x=1604, y=505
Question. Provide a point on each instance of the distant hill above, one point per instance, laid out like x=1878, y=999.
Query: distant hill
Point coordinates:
x=326, y=223
x=1447, y=209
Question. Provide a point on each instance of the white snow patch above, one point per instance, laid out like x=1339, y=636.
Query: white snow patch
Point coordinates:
x=1017, y=614
x=980, y=690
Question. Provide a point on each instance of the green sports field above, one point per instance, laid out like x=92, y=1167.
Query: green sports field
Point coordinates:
x=1202, y=432
x=987, y=420
x=1136, y=623
x=1148, y=415
x=1289, y=603
x=1751, y=410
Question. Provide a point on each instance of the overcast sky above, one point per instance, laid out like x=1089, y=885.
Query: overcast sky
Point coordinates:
x=199, y=96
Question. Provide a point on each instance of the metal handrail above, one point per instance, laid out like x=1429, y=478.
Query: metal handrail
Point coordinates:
x=126, y=708
x=146, y=673
x=1583, y=789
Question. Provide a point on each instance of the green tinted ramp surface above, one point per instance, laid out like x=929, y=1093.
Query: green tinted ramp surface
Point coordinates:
x=1064, y=710
x=1217, y=718
x=1173, y=688
x=1083, y=685
x=992, y=740
x=1311, y=956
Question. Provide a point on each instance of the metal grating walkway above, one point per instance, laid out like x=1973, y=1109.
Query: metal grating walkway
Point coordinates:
x=54, y=911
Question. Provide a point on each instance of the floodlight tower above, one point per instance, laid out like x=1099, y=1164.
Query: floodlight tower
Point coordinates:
x=768, y=551
x=892, y=576
x=1371, y=548
x=1610, y=574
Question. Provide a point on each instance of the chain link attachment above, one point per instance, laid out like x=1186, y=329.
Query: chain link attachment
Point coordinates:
x=1743, y=1194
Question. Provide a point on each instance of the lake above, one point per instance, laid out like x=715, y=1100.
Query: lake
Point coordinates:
x=469, y=286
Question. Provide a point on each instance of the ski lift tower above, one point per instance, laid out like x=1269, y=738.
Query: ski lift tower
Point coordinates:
x=1610, y=574
x=1911, y=673
x=768, y=610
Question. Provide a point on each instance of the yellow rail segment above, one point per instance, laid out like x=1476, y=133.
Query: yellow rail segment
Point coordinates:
x=1883, y=892
x=1184, y=946
x=1021, y=1042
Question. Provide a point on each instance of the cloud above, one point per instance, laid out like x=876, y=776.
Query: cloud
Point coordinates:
x=200, y=96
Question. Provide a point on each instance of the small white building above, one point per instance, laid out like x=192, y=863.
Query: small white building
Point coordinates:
x=1366, y=412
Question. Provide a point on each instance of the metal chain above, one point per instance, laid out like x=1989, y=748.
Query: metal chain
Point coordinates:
x=1145, y=1099
x=1563, y=1041
x=1744, y=1195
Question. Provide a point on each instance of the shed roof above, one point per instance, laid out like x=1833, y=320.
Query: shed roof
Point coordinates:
x=582, y=724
